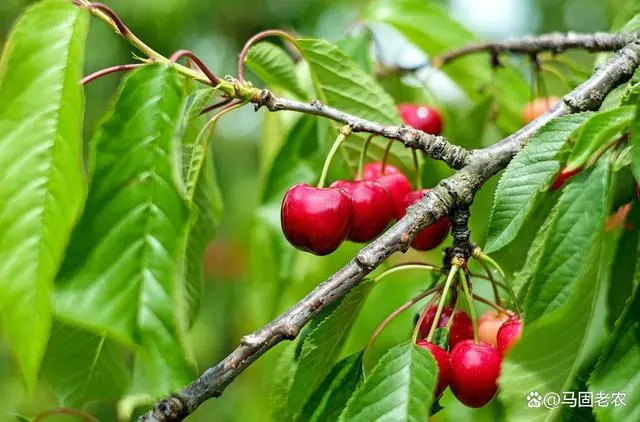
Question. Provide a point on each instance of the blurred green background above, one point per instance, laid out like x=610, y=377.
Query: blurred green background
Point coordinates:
x=241, y=293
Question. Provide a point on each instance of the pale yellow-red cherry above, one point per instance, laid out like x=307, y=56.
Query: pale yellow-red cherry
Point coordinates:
x=537, y=108
x=488, y=325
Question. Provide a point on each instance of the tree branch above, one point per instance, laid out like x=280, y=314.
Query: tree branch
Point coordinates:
x=436, y=147
x=555, y=42
x=455, y=191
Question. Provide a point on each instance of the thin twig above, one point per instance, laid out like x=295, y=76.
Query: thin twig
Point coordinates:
x=104, y=72
x=493, y=305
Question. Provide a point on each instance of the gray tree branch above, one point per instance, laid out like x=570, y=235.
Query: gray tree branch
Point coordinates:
x=555, y=42
x=456, y=191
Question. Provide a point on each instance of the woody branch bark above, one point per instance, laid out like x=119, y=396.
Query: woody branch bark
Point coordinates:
x=455, y=192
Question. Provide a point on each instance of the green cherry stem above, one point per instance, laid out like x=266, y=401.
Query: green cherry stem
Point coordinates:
x=492, y=279
x=345, y=131
x=404, y=267
x=397, y=312
x=418, y=169
x=452, y=273
x=385, y=157
x=472, y=310
x=363, y=156
x=478, y=254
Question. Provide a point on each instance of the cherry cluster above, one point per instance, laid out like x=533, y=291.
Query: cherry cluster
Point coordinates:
x=318, y=220
x=471, y=368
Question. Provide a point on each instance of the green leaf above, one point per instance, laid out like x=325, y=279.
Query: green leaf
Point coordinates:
x=323, y=345
x=120, y=273
x=358, y=47
x=623, y=268
x=400, y=388
x=202, y=194
x=572, y=233
x=284, y=371
x=596, y=132
x=342, y=84
x=546, y=363
x=526, y=180
x=331, y=396
x=275, y=67
x=616, y=371
x=42, y=181
x=635, y=142
x=82, y=366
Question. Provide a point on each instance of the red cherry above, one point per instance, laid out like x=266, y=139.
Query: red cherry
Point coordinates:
x=431, y=236
x=316, y=220
x=396, y=183
x=509, y=334
x=475, y=368
x=430, y=315
x=488, y=325
x=461, y=326
x=372, y=209
x=371, y=171
x=444, y=366
x=537, y=108
x=424, y=118
x=563, y=176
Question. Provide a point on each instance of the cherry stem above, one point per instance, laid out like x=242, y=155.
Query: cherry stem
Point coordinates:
x=108, y=71
x=418, y=169
x=472, y=309
x=452, y=273
x=397, y=312
x=407, y=266
x=493, y=305
x=363, y=156
x=345, y=131
x=494, y=285
x=215, y=80
x=257, y=37
x=478, y=254
x=385, y=156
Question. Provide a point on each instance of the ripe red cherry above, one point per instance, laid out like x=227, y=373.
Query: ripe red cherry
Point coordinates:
x=316, y=220
x=444, y=366
x=424, y=118
x=396, y=183
x=371, y=207
x=509, y=334
x=488, y=325
x=431, y=236
x=537, y=108
x=461, y=326
x=475, y=368
x=563, y=176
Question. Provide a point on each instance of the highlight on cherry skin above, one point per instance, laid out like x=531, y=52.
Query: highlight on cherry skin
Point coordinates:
x=372, y=208
x=431, y=236
x=421, y=117
x=394, y=180
x=316, y=220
